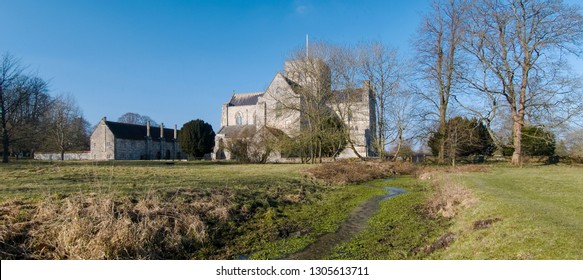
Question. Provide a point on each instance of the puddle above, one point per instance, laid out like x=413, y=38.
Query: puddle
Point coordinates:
x=356, y=222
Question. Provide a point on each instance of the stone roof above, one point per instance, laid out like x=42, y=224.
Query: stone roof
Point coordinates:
x=238, y=131
x=244, y=99
x=137, y=132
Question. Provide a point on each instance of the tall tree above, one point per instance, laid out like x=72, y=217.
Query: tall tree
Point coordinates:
x=346, y=99
x=438, y=48
x=197, y=138
x=521, y=46
x=380, y=66
x=67, y=129
x=135, y=118
x=313, y=91
x=23, y=100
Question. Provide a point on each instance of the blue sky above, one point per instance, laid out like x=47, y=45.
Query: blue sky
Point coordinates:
x=180, y=60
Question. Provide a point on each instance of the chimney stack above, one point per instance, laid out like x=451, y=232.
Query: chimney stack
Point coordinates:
x=148, y=128
x=161, y=130
x=175, y=132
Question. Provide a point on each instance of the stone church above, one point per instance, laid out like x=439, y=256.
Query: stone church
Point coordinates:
x=122, y=141
x=249, y=113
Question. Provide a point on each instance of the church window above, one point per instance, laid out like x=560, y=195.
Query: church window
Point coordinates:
x=278, y=109
x=239, y=118
x=254, y=119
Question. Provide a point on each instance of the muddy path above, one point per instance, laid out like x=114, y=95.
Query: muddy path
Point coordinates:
x=355, y=223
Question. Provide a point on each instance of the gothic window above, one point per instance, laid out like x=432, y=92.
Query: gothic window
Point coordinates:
x=254, y=119
x=239, y=118
x=278, y=109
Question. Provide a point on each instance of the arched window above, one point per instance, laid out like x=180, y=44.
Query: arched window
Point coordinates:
x=254, y=119
x=239, y=118
x=278, y=109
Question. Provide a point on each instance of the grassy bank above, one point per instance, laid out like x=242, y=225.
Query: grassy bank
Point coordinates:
x=522, y=213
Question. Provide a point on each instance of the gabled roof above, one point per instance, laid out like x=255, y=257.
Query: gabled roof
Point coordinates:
x=244, y=99
x=137, y=132
x=238, y=131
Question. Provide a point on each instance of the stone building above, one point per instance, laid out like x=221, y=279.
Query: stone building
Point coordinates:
x=247, y=114
x=122, y=141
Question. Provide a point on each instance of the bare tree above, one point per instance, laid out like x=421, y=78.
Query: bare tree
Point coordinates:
x=23, y=100
x=135, y=118
x=438, y=48
x=521, y=46
x=573, y=142
x=349, y=100
x=311, y=79
x=67, y=129
x=380, y=65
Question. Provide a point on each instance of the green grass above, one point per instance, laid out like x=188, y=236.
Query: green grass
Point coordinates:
x=537, y=214
x=302, y=225
x=273, y=209
x=400, y=230
x=33, y=179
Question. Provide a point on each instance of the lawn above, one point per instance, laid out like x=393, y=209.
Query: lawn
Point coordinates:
x=522, y=213
x=154, y=210
x=209, y=210
x=29, y=179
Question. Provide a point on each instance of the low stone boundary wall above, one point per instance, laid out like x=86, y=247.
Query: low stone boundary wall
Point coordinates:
x=68, y=156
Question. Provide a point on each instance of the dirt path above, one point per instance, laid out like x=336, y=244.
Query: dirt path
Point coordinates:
x=356, y=222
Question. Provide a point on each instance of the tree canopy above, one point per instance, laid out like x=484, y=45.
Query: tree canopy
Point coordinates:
x=197, y=138
x=463, y=137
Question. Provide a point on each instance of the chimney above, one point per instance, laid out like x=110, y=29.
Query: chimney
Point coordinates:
x=148, y=128
x=175, y=132
x=161, y=130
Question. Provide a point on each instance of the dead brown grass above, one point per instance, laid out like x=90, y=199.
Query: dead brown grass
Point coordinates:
x=429, y=172
x=449, y=198
x=345, y=172
x=106, y=227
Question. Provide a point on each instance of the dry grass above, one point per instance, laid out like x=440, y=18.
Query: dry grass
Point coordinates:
x=429, y=172
x=105, y=227
x=449, y=197
x=345, y=172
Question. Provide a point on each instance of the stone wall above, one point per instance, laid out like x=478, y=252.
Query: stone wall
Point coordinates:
x=146, y=149
x=248, y=114
x=280, y=101
x=102, y=143
x=126, y=149
x=67, y=156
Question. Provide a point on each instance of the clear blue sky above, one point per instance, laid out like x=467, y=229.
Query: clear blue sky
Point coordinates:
x=180, y=60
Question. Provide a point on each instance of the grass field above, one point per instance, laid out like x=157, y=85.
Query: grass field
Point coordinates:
x=522, y=213
x=151, y=210
x=205, y=210
x=28, y=179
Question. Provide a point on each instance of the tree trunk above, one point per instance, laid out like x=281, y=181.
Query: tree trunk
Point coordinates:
x=400, y=143
x=5, y=144
x=442, y=135
x=517, y=142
